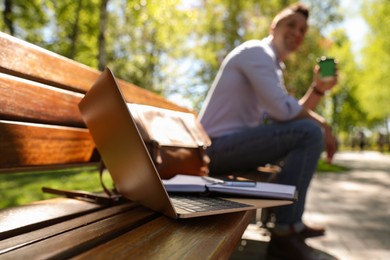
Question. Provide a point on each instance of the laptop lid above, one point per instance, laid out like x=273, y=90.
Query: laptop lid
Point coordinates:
x=116, y=136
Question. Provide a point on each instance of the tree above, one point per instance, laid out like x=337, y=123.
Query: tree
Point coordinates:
x=74, y=29
x=374, y=87
x=66, y=27
x=24, y=19
x=342, y=107
x=146, y=42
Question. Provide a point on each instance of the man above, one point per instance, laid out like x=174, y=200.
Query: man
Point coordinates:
x=252, y=120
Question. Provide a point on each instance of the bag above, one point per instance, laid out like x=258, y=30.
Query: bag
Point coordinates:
x=176, y=141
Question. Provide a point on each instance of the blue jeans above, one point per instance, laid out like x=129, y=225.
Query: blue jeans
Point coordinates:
x=299, y=143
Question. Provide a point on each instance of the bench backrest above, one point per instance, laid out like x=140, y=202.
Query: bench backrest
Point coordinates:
x=40, y=124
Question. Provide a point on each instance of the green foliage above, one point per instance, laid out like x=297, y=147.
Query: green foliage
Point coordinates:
x=344, y=110
x=146, y=40
x=323, y=13
x=26, y=19
x=374, y=90
x=74, y=29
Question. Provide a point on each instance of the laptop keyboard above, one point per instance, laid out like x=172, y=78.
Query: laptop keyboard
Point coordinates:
x=201, y=204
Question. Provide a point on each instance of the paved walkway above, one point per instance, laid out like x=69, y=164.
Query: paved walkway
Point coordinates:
x=353, y=205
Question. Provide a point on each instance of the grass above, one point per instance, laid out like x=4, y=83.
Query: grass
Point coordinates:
x=23, y=188
x=323, y=166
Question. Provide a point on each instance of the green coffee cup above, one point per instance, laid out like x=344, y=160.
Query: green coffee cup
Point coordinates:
x=327, y=68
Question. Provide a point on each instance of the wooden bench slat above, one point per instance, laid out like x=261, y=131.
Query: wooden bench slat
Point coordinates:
x=33, y=144
x=29, y=101
x=14, y=221
x=68, y=218
x=84, y=237
x=166, y=238
x=20, y=58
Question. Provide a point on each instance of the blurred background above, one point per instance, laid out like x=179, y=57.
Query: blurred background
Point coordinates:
x=175, y=47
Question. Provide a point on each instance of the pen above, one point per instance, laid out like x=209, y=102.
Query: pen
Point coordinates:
x=230, y=183
x=213, y=180
x=240, y=183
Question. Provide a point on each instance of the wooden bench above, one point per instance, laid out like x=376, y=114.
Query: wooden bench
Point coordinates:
x=41, y=129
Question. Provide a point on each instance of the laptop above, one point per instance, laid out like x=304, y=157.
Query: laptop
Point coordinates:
x=124, y=153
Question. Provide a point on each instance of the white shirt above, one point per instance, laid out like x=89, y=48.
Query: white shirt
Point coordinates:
x=248, y=88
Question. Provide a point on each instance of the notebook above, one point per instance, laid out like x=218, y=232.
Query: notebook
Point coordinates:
x=112, y=127
x=204, y=184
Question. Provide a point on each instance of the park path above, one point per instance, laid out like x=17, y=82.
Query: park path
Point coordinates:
x=353, y=205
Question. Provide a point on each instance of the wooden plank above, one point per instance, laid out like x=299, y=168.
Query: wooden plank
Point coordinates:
x=84, y=237
x=61, y=215
x=33, y=144
x=213, y=237
x=25, y=218
x=29, y=101
x=20, y=58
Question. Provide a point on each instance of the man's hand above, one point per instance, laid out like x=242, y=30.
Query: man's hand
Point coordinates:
x=323, y=86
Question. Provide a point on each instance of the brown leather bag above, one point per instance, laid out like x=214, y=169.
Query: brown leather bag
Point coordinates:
x=176, y=141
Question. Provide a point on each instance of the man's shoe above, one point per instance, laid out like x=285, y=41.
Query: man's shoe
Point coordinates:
x=291, y=246
x=308, y=232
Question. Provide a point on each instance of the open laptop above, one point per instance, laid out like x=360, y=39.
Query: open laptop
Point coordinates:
x=124, y=153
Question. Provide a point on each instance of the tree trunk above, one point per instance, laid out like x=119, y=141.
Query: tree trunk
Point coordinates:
x=102, y=55
x=7, y=14
x=75, y=32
